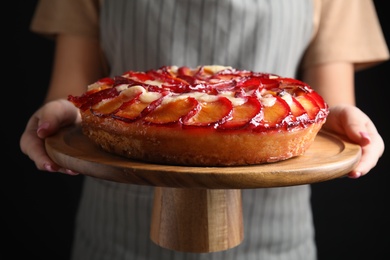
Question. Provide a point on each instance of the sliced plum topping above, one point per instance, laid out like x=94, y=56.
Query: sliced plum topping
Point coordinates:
x=90, y=98
x=319, y=100
x=109, y=106
x=131, y=111
x=310, y=105
x=243, y=114
x=206, y=96
x=173, y=111
x=106, y=81
x=210, y=112
x=276, y=113
x=139, y=76
x=297, y=110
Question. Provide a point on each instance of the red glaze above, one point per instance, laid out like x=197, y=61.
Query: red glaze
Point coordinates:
x=242, y=115
x=211, y=113
x=109, y=98
x=173, y=112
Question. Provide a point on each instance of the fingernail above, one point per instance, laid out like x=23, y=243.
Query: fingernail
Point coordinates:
x=355, y=175
x=67, y=171
x=42, y=126
x=49, y=167
x=70, y=172
x=365, y=136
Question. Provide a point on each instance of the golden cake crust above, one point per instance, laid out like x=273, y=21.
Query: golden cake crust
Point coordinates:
x=198, y=144
x=196, y=147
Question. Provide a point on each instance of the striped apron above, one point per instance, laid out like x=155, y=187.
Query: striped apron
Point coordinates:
x=113, y=220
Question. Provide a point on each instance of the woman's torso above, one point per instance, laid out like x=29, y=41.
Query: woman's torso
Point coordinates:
x=261, y=35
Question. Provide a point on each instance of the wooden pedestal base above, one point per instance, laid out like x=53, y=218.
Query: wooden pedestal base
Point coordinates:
x=197, y=220
x=199, y=209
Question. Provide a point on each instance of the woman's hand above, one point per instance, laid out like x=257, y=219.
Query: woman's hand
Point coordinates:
x=352, y=123
x=46, y=121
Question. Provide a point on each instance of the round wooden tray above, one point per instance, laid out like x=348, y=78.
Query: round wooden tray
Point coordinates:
x=328, y=157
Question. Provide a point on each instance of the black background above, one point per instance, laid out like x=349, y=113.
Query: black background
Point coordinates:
x=38, y=208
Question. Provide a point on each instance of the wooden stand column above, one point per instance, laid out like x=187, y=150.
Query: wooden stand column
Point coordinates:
x=197, y=220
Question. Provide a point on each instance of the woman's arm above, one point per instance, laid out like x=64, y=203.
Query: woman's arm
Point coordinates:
x=77, y=63
x=333, y=81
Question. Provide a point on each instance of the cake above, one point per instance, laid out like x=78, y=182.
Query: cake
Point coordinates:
x=204, y=116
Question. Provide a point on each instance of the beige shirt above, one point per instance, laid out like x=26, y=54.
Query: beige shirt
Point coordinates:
x=113, y=217
x=347, y=30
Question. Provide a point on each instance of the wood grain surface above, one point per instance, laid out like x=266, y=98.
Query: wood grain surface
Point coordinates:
x=198, y=209
x=197, y=220
x=328, y=157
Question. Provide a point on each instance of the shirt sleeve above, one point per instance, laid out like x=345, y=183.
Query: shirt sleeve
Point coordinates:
x=346, y=30
x=79, y=17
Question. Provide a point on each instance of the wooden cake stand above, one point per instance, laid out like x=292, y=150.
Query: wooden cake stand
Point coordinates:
x=199, y=209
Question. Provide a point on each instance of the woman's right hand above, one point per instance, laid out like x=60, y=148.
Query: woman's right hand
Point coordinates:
x=46, y=121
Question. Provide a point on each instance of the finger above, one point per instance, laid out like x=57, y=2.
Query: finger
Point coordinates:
x=354, y=124
x=373, y=148
x=34, y=148
x=50, y=123
x=371, y=153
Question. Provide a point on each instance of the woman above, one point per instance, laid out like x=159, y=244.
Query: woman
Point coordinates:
x=316, y=40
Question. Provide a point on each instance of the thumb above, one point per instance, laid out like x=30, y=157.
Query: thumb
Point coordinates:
x=56, y=114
